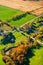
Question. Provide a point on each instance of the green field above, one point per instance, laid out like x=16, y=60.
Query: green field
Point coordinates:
x=38, y=58
x=18, y=36
x=7, y=13
x=1, y=62
x=41, y=28
x=22, y=21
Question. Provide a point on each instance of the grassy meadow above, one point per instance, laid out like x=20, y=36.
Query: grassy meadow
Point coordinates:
x=7, y=13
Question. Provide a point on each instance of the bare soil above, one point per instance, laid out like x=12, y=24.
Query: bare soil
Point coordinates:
x=26, y=6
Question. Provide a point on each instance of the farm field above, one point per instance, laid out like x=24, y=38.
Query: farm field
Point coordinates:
x=38, y=58
x=7, y=13
x=21, y=21
x=14, y=18
x=26, y=6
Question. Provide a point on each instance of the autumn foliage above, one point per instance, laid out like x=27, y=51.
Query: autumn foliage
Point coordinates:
x=17, y=55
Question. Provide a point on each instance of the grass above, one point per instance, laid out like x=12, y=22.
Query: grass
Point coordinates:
x=41, y=28
x=35, y=60
x=18, y=36
x=1, y=61
x=6, y=13
x=22, y=21
x=41, y=40
x=6, y=28
x=41, y=18
x=38, y=58
x=1, y=37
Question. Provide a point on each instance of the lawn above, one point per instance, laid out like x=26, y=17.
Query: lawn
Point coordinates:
x=38, y=58
x=18, y=35
x=7, y=13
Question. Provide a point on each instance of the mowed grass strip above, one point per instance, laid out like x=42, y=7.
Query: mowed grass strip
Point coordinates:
x=22, y=21
x=7, y=13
